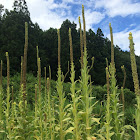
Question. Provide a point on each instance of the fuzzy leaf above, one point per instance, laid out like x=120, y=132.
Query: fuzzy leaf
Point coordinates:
x=96, y=120
x=69, y=130
x=130, y=127
x=67, y=119
x=36, y=137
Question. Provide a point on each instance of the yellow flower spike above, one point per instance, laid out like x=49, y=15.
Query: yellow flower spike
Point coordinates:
x=130, y=36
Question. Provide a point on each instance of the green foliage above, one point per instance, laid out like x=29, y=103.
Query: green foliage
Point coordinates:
x=12, y=38
x=57, y=110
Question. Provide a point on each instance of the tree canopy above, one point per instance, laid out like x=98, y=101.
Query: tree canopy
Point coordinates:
x=12, y=40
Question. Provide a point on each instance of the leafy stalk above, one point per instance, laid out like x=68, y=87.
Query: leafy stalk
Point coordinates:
x=81, y=43
x=73, y=94
x=86, y=89
x=8, y=98
x=108, y=113
x=25, y=62
x=136, y=85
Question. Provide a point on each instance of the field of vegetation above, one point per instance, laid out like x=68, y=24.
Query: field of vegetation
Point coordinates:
x=43, y=109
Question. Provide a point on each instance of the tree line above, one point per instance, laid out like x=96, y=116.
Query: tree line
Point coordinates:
x=12, y=40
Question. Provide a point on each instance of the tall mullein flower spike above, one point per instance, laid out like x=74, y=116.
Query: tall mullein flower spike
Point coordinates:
x=124, y=72
x=25, y=61
x=123, y=86
x=45, y=85
x=48, y=92
x=81, y=43
x=107, y=80
x=50, y=73
x=59, y=47
x=37, y=51
x=84, y=28
x=136, y=85
x=8, y=69
x=112, y=47
x=71, y=49
x=133, y=65
x=39, y=78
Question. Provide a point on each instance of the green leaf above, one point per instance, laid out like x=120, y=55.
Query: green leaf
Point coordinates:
x=70, y=130
x=130, y=127
x=96, y=120
x=36, y=137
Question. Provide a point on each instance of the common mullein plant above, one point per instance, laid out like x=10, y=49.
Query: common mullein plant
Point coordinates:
x=62, y=114
x=40, y=112
x=87, y=108
x=114, y=96
x=75, y=99
x=115, y=128
x=136, y=86
x=25, y=62
x=22, y=130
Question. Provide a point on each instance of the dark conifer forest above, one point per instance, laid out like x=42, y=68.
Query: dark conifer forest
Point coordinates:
x=12, y=40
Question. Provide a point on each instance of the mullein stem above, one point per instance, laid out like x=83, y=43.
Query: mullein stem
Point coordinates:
x=50, y=73
x=25, y=62
x=21, y=75
x=133, y=65
x=84, y=28
x=73, y=95
x=35, y=105
x=112, y=47
x=59, y=47
x=60, y=92
x=45, y=86
x=8, y=97
x=81, y=43
x=49, y=109
x=40, y=98
x=108, y=117
x=123, y=86
x=136, y=85
x=85, y=80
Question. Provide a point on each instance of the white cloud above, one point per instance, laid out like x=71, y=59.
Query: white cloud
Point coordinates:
x=118, y=7
x=92, y=17
x=7, y=3
x=43, y=13
x=121, y=39
x=46, y=13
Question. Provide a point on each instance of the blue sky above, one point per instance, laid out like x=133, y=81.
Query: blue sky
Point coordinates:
x=124, y=16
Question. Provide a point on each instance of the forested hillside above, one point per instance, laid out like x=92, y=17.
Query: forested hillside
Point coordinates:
x=12, y=40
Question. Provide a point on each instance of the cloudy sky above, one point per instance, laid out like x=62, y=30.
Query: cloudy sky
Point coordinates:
x=124, y=16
